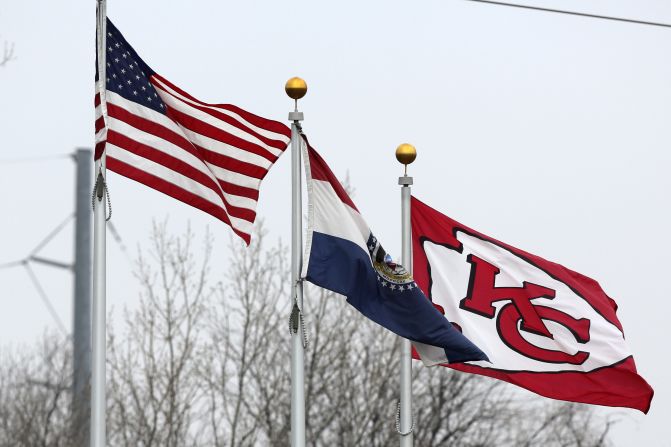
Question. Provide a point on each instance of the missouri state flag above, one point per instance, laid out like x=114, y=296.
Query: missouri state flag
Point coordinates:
x=344, y=256
x=544, y=327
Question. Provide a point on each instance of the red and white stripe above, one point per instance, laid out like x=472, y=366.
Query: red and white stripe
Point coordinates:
x=210, y=156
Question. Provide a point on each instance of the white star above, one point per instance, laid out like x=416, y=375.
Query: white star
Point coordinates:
x=137, y=77
x=108, y=79
x=109, y=49
x=143, y=73
x=109, y=65
x=384, y=284
x=129, y=82
x=117, y=45
x=135, y=92
x=160, y=105
x=392, y=287
x=408, y=287
x=149, y=98
x=130, y=66
x=124, y=55
x=372, y=247
x=155, y=95
x=109, y=34
x=116, y=59
x=120, y=86
x=144, y=88
x=123, y=71
x=114, y=75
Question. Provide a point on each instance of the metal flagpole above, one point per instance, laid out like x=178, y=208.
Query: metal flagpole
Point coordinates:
x=405, y=426
x=98, y=324
x=296, y=89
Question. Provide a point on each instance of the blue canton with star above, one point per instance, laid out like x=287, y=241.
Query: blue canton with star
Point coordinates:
x=127, y=74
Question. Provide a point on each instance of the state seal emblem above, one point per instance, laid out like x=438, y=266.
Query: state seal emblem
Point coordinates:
x=389, y=273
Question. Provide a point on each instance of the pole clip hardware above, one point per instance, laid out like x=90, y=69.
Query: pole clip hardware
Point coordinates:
x=99, y=190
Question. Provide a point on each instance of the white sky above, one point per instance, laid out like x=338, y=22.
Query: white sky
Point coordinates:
x=545, y=131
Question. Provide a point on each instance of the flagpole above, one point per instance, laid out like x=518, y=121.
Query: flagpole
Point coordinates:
x=405, y=154
x=296, y=89
x=98, y=323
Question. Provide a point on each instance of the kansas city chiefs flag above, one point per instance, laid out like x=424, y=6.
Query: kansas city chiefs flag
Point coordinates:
x=544, y=327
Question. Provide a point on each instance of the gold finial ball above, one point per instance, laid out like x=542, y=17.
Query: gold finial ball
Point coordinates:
x=406, y=153
x=296, y=88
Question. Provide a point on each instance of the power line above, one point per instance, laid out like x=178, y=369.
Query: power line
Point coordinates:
x=32, y=257
x=45, y=299
x=33, y=277
x=117, y=238
x=7, y=265
x=10, y=161
x=51, y=235
x=573, y=13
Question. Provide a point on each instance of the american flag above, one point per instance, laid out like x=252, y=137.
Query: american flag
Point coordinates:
x=210, y=156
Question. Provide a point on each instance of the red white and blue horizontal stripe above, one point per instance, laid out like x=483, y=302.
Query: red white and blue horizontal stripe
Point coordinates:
x=345, y=257
x=210, y=156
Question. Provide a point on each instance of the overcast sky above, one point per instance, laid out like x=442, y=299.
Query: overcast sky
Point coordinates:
x=548, y=132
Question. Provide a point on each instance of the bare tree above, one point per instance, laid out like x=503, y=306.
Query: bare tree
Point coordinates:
x=35, y=396
x=7, y=53
x=203, y=362
x=563, y=424
x=152, y=378
x=351, y=377
x=244, y=369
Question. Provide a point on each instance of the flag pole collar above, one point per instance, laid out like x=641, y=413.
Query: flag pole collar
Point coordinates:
x=405, y=180
x=295, y=116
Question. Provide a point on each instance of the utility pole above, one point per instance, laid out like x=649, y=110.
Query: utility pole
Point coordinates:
x=81, y=321
x=83, y=290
